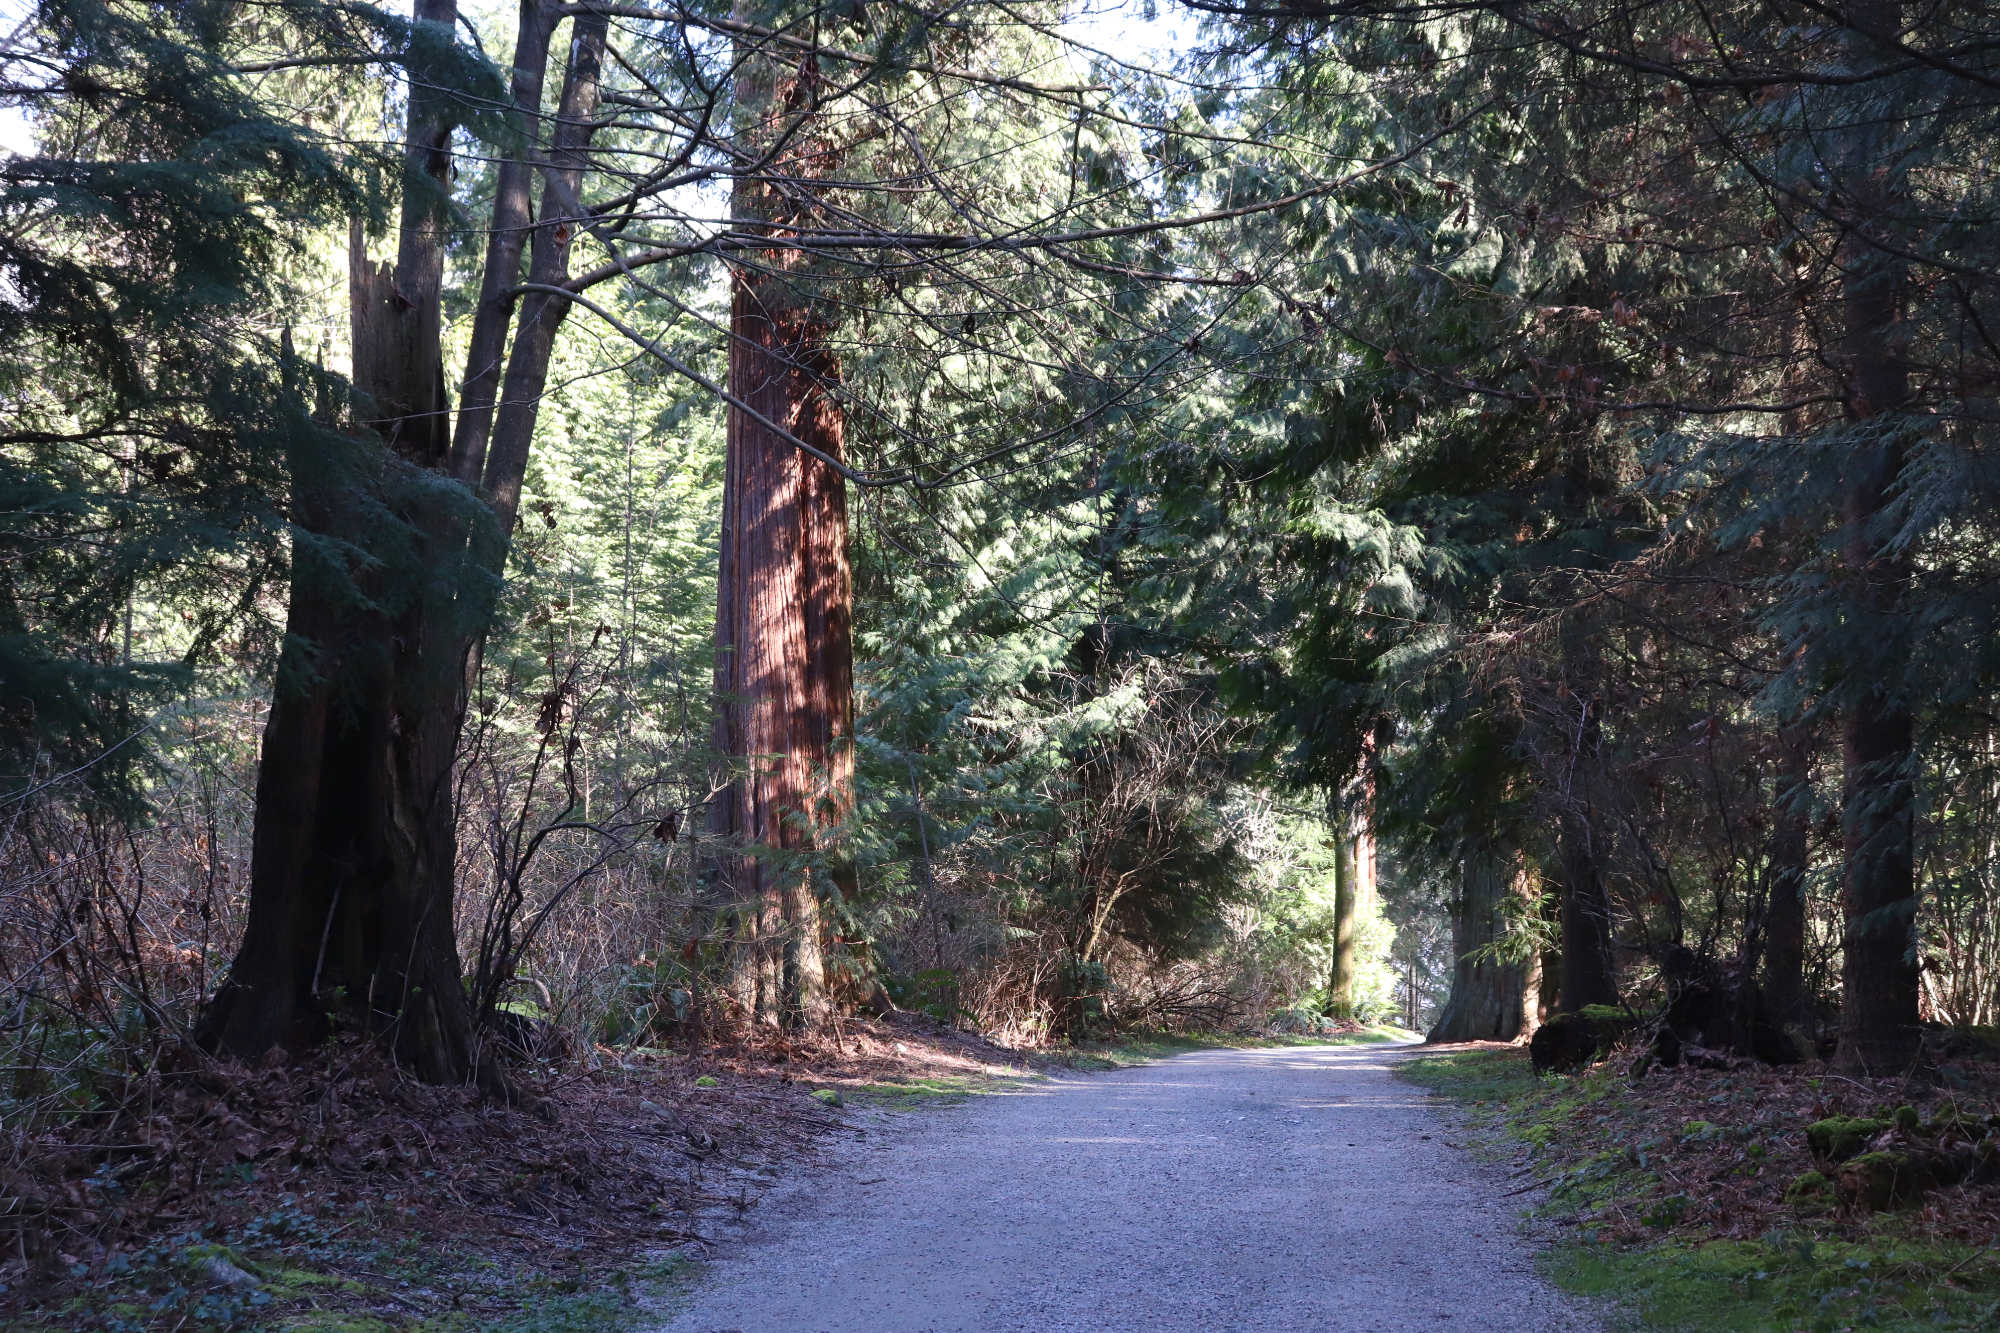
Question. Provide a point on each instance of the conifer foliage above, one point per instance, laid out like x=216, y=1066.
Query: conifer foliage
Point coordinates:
x=749, y=512
x=151, y=404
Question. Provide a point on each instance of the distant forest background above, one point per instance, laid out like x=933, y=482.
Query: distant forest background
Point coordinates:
x=529, y=530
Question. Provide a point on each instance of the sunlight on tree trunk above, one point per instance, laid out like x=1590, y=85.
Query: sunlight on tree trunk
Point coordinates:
x=1346, y=902
x=1493, y=995
x=784, y=619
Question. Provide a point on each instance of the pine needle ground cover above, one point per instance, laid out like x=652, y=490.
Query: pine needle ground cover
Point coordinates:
x=1699, y=1200
x=338, y=1195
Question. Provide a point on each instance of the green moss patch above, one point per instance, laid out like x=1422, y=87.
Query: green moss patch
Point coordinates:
x=1839, y=1137
x=1789, y=1283
x=911, y=1094
x=1746, y=1199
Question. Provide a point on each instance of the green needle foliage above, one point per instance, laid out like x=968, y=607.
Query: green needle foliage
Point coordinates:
x=153, y=403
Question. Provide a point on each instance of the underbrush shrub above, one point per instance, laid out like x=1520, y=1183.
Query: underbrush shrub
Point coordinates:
x=114, y=926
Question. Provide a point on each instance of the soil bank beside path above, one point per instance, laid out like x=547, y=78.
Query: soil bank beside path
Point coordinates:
x=1299, y=1188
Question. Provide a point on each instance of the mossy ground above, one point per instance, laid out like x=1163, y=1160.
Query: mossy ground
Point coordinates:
x=1788, y=1282
x=916, y=1093
x=313, y=1279
x=1678, y=1201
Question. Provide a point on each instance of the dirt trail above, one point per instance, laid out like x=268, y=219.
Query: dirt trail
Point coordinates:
x=1290, y=1189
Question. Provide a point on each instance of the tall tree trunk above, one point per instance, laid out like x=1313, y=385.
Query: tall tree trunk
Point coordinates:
x=355, y=839
x=1785, y=908
x=1878, y=1020
x=1491, y=999
x=1367, y=868
x=1548, y=964
x=542, y=310
x=1354, y=868
x=1784, y=924
x=354, y=845
x=1346, y=876
x=784, y=633
x=506, y=240
x=1589, y=970
x=1589, y=975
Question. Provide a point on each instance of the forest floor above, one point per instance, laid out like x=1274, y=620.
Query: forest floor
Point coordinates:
x=336, y=1195
x=1279, y=1189
x=1692, y=1195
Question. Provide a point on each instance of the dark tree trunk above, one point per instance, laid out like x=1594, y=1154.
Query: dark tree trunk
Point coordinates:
x=1589, y=970
x=513, y=221
x=784, y=632
x=354, y=850
x=1589, y=974
x=354, y=845
x=543, y=310
x=1878, y=1022
x=1491, y=999
x=1785, y=908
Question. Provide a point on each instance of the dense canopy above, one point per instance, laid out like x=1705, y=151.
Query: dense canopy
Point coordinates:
x=529, y=530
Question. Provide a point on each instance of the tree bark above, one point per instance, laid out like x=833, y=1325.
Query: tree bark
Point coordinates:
x=542, y=312
x=1879, y=983
x=1785, y=909
x=355, y=838
x=1491, y=998
x=354, y=844
x=784, y=630
x=1354, y=868
x=1589, y=971
x=1367, y=886
x=507, y=239
x=1340, y=977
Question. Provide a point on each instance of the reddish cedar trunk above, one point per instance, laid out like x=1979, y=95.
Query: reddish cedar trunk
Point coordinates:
x=784, y=644
x=784, y=637
x=1491, y=999
x=1878, y=1020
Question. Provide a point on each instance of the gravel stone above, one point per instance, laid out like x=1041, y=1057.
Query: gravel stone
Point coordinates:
x=1300, y=1188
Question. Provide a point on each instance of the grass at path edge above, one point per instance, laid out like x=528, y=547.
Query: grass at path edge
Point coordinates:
x=1799, y=1277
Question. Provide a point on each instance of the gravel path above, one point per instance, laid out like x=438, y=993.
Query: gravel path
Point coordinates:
x=1270, y=1190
